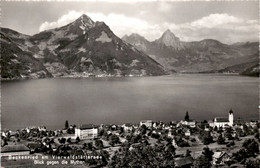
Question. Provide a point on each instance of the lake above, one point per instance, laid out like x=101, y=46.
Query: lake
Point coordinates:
x=50, y=102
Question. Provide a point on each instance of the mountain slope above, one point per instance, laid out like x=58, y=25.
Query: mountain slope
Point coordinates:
x=251, y=71
x=17, y=63
x=80, y=48
x=101, y=51
x=197, y=56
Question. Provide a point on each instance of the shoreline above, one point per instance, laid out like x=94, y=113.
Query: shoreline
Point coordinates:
x=130, y=76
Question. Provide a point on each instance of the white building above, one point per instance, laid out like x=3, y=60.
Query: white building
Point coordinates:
x=147, y=123
x=88, y=131
x=223, y=122
x=187, y=133
x=190, y=123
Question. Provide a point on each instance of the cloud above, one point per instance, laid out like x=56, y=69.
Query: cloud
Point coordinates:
x=63, y=20
x=214, y=20
x=164, y=7
x=119, y=24
x=220, y=26
x=223, y=27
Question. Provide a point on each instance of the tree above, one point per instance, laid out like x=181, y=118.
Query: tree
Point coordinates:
x=62, y=140
x=207, y=153
x=241, y=155
x=5, y=142
x=101, y=132
x=77, y=140
x=221, y=139
x=99, y=144
x=69, y=140
x=253, y=163
x=206, y=138
x=171, y=149
x=202, y=162
x=251, y=147
x=66, y=124
x=113, y=139
x=187, y=118
x=143, y=129
x=188, y=153
x=89, y=146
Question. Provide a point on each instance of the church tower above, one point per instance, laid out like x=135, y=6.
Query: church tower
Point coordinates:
x=231, y=117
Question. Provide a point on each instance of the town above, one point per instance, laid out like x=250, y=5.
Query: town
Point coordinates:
x=222, y=142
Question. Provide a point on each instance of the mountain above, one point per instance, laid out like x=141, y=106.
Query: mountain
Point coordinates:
x=168, y=39
x=15, y=62
x=251, y=71
x=80, y=48
x=138, y=41
x=197, y=56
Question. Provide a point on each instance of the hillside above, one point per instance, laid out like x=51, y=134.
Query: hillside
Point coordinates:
x=81, y=48
x=197, y=56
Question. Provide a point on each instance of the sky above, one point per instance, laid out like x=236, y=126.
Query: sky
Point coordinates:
x=226, y=21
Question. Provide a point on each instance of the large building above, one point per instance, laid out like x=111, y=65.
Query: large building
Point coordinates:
x=223, y=122
x=87, y=131
x=191, y=123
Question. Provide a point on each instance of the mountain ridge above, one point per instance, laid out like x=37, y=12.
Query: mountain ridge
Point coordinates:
x=78, y=49
x=85, y=48
x=196, y=56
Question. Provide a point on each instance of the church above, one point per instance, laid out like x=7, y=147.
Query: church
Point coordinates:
x=222, y=122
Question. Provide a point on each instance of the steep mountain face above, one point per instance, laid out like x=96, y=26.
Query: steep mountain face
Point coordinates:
x=138, y=41
x=199, y=56
x=168, y=39
x=15, y=62
x=81, y=48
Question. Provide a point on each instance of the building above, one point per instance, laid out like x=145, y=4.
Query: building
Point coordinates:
x=253, y=123
x=12, y=150
x=87, y=131
x=127, y=127
x=191, y=123
x=223, y=122
x=187, y=132
x=147, y=123
x=220, y=158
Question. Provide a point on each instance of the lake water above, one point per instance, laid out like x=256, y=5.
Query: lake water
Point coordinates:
x=50, y=102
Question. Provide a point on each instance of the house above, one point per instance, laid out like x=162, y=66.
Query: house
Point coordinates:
x=190, y=123
x=253, y=123
x=87, y=131
x=223, y=122
x=114, y=127
x=42, y=128
x=12, y=150
x=187, y=132
x=220, y=158
x=147, y=123
x=184, y=162
x=211, y=123
x=127, y=127
x=155, y=124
